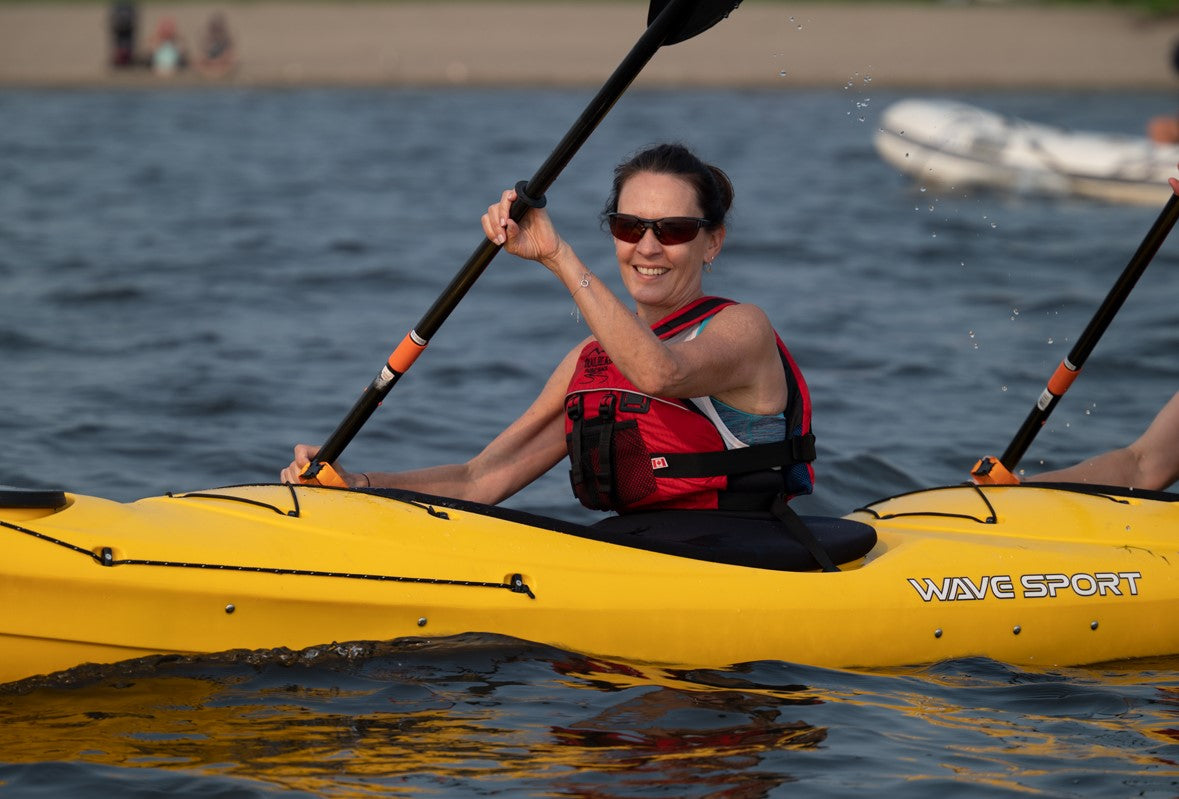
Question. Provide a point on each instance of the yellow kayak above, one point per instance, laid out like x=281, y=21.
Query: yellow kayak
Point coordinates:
x=1031, y=574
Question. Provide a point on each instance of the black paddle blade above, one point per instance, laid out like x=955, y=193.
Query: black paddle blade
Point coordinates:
x=702, y=16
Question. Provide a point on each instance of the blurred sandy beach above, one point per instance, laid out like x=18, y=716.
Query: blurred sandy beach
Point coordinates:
x=568, y=43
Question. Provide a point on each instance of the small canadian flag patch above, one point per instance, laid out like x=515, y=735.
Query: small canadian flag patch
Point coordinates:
x=659, y=463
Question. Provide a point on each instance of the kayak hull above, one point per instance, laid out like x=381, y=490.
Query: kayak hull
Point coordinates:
x=947, y=144
x=1023, y=574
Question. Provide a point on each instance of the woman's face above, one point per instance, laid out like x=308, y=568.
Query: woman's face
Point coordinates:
x=663, y=277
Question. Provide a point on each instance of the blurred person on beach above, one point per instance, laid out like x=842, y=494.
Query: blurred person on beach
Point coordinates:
x=217, y=57
x=167, y=52
x=124, y=24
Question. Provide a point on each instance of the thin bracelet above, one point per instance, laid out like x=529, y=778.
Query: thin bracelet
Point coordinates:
x=368, y=483
x=586, y=279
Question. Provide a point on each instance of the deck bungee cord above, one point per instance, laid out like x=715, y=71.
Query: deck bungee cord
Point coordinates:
x=104, y=555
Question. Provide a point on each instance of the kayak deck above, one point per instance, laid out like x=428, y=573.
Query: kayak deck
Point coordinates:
x=1024, y=574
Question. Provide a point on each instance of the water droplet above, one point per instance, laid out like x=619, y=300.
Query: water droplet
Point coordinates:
x=1003, y=388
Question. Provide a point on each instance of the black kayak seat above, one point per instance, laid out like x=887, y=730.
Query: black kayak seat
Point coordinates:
x=757, y=540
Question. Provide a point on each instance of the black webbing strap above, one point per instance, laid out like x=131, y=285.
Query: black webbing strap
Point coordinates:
x=755, y=457
x=575, y=408
x=797, y=527
x=604, y=475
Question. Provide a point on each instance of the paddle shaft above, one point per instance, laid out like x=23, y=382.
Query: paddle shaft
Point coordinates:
x=1070, y=367
x=667, y=22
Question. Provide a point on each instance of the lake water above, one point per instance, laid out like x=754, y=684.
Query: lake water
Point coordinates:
x=191, y=282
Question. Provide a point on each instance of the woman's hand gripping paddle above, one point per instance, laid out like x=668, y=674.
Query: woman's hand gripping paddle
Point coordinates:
x=668, y=22
x=989, y=471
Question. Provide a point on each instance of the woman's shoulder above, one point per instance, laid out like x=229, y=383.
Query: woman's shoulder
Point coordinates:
x=747, y=315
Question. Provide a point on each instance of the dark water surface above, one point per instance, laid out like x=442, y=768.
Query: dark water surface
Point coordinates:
x=191, y=282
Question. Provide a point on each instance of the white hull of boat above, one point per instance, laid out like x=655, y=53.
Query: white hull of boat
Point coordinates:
x=947, y=144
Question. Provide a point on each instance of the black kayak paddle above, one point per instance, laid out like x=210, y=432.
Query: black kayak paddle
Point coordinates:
x=1002, y=471
x=668, y=22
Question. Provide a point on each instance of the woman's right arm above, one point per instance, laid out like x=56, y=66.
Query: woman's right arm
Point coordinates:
x=528, y=448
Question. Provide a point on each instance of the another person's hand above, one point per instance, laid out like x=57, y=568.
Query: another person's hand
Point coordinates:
x=534, y=238
x=303, y=454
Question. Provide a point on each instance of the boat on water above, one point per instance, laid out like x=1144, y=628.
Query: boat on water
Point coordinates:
x=944, y=143
x=1035, y=574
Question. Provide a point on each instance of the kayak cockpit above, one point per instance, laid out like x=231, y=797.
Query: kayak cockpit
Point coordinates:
x=753, y=540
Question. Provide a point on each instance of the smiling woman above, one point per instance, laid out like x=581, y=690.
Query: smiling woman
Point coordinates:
x=685, y=403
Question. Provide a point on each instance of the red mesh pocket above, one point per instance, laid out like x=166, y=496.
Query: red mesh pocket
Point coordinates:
x=633, y=478
x=627, y=477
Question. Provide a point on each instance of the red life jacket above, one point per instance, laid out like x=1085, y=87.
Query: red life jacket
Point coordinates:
x=631, y=451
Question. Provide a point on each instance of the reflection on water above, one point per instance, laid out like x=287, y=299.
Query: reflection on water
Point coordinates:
x=366, y=718
x=486, y=714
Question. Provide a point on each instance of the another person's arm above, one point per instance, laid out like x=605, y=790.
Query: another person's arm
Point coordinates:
x=1151, y=462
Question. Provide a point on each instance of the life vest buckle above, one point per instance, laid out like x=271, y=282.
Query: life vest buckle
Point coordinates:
x=634, y=403
x=575, y=408
x=606, y=408
x=802, y=448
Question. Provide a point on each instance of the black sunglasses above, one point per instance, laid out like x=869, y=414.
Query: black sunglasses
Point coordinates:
x=668, y=230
